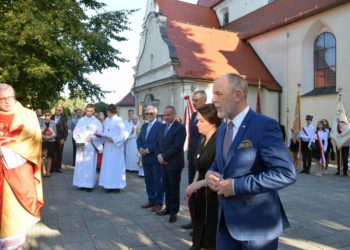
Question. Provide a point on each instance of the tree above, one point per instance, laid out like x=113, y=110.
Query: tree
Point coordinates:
x=100, y=107
x=47, y=46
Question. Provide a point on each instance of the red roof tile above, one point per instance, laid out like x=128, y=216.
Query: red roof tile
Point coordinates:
x=208, y=3
x=206, y=53
x=188, y=13
x=277, y=14
x=128, y=100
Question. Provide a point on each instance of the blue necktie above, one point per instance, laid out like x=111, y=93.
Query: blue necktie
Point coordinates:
x=166, y=129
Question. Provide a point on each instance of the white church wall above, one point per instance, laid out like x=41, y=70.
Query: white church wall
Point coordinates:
x=288, y=54
x=237, y=8
x=154, y=62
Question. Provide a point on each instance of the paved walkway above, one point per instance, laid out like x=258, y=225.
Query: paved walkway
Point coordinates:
x=317, y=207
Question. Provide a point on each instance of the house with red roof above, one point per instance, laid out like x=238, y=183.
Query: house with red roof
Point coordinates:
x=125, y=104
x=274, y=44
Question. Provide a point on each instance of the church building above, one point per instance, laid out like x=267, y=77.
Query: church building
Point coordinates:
x=275, y=44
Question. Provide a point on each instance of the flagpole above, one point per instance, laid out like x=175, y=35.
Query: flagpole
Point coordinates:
x=341, y=148
x=258, y=104
x=287, y=124
x=299, y=140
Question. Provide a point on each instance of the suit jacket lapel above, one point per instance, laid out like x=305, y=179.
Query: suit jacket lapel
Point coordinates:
x=240, y=133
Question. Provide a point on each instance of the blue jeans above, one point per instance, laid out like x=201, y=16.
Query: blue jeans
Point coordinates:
x=153, y=180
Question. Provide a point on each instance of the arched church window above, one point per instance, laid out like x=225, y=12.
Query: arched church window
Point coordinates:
x=325, y=61
x=225, y=16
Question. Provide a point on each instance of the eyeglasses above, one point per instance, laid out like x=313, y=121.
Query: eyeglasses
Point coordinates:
x=7, y=99
x=151, y=113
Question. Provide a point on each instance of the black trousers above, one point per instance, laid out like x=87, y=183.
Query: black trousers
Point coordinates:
x=74, y=151
x=306, y=153
x=171, y=186
x=58, y=157
x=344, y=156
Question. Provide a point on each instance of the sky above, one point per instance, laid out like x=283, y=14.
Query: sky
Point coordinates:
x=120, y=81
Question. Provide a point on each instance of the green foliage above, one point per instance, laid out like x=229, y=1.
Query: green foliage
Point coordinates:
x=100, y=107
x=69, y=105
x=47, y=46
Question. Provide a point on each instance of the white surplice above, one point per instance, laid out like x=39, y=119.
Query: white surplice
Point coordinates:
x=86, y=159
x=112, y=175
x=131, y=152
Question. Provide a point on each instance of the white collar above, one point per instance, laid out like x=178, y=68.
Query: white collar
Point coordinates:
x=237, y=121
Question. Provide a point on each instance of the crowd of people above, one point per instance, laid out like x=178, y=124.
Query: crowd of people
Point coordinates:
x=315, y=143
x=237, y=160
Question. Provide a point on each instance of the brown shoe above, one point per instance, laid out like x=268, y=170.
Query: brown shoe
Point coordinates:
x=157, y=208
x=148, y=205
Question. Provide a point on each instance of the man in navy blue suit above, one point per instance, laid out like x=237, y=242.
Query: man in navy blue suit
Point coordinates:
x=170, y=153
x=146, y=146
x=251, y=164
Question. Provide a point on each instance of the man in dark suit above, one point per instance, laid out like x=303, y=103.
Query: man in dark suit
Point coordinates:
x=170, y=154
x=61, y=135
x=251, y=164
x=199, y=98
x=78, y=114
x=151, y=167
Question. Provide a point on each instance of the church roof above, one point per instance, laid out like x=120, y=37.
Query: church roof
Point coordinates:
x=208, y=3
x=206, y=53
x=278, y=14
x=128, y=100
x=188, y=13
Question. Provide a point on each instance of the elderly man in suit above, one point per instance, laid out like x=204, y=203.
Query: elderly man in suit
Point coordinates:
x=146, y=146
x=170, y=154
x=61, y=135
x=251, y=164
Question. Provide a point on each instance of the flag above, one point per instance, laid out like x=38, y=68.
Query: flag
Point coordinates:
x=296, y=128
x=187, y=119
x=296, y=122
x=338, y=135
x=258, y=105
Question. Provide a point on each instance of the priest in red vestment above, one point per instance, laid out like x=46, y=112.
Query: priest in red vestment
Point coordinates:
x=21, y=195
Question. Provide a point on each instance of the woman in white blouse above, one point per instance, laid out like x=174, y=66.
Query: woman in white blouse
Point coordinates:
x=320, y=140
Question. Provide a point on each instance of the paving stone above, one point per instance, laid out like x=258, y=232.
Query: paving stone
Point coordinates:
x=87, y=245
x=111, y=244
x=318, y=210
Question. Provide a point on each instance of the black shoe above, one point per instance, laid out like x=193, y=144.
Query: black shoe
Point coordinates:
x=345, y=175
x=193, y=247
x=307, y=172
x=173, y=218
x=59, y=171
x=163, y=212
x=302, y=171
x=109, y=190
x=337, y=173
x=187, y=226
x=89, y=190
x=190, y=233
